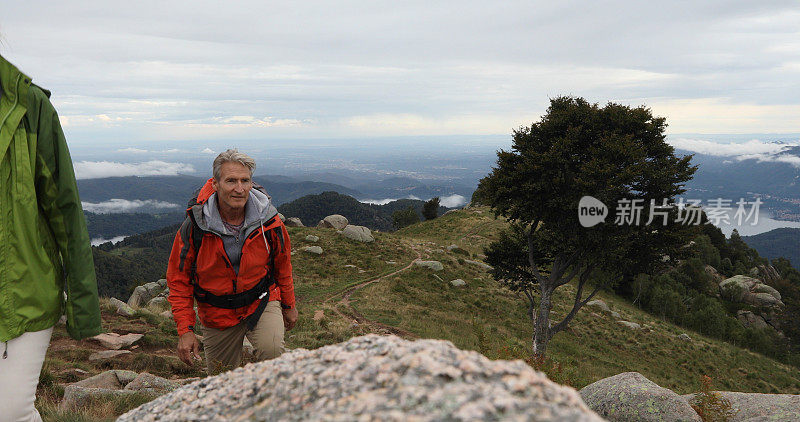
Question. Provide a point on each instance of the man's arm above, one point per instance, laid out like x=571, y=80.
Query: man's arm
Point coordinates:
x=283, y=276
x=180, y=292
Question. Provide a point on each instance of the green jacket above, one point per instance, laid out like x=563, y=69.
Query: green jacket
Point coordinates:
x=44, y=246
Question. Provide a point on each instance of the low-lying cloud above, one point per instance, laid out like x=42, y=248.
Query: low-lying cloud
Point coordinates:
x=384, y=201
x=753, y=146
x=98, y=169
x=753, y=149
x=116, y=205
x=451, y=201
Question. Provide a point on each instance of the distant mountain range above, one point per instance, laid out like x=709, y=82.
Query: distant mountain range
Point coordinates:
x=777, y=243
x=178, y=189
x=122, y=206
x=776, y=178
x=312, y=208
x=309, y=209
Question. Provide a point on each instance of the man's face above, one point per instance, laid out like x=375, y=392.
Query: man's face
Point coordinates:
x=233, y=186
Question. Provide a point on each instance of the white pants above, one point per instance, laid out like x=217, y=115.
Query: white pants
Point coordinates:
x=19, y=375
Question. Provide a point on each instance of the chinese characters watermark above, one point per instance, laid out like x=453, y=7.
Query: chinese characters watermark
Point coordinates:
x=592, y=211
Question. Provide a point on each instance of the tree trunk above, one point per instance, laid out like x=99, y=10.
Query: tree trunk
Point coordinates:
x=541, y=325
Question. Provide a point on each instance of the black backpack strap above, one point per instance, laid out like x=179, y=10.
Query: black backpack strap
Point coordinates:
x=197, y=241
x=236, y=300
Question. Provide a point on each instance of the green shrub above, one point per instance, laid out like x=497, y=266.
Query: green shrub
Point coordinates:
x=710, y=405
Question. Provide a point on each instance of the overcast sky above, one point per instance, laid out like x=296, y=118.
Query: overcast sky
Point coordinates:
x=146, y=71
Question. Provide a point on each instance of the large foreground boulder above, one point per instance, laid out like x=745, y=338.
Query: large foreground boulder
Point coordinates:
x=630, y=396
x=760, y=407
x=372, y=378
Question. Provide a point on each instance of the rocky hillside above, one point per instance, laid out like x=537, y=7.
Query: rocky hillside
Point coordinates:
x=426, y=281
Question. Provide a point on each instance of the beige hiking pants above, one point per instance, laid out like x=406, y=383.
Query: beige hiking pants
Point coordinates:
x=223, y=348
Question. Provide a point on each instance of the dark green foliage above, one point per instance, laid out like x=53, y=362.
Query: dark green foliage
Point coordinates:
x=670, y=296
x=706, y=251
x=108, y=226
x=784, y=242
x=740, y=268
x=431, y=208
x=726, y=267
x=405, y=217
x=789, y=287
x=312, y=208
x=696, y=276
x=136, y=260
x=738, y=250
x=612, y=153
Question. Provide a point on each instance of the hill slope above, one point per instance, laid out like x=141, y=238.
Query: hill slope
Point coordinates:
x=776, y=243
x=356, y=288
x=312, y=208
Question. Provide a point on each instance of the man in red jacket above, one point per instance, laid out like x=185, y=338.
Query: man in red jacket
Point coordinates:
x=232, y=255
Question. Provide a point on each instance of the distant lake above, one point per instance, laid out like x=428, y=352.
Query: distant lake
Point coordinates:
x=765, y=224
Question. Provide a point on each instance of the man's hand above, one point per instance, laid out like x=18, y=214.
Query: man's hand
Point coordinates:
x=189, y=347
x=289, y=318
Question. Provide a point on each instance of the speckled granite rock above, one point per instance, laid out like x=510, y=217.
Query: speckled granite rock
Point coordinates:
x=372, y=378
x=630, y=396
x=752, y=407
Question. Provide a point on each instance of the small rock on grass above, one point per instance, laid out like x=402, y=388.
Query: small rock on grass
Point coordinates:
x=122, y=307
x=107, y=354
x=316, y=250
x=115, y=341
x=433, y=265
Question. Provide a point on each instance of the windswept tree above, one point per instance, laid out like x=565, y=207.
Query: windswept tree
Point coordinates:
x=616, y=154
x=404, y=217
x=431, y=208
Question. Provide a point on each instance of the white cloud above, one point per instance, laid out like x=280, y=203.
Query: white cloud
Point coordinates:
x=133, y=150
x=452, y=201
x=751, y=147
x=99, y=240
x=98, y=169
x=117, y=205
x=213, y=71
x=207, y=151
x=385, y=201
x=790, y=159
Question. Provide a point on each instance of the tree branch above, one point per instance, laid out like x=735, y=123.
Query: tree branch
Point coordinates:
x=531, y=259
x=569, y=277
x=531, y=302
x=579, y=302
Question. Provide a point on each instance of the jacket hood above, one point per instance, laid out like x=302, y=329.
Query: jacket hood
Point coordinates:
x=258, y=210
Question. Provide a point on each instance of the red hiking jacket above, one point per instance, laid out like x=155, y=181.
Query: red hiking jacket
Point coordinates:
x=215, y=273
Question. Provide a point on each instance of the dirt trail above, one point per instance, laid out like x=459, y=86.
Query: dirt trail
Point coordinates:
x=351, y=313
